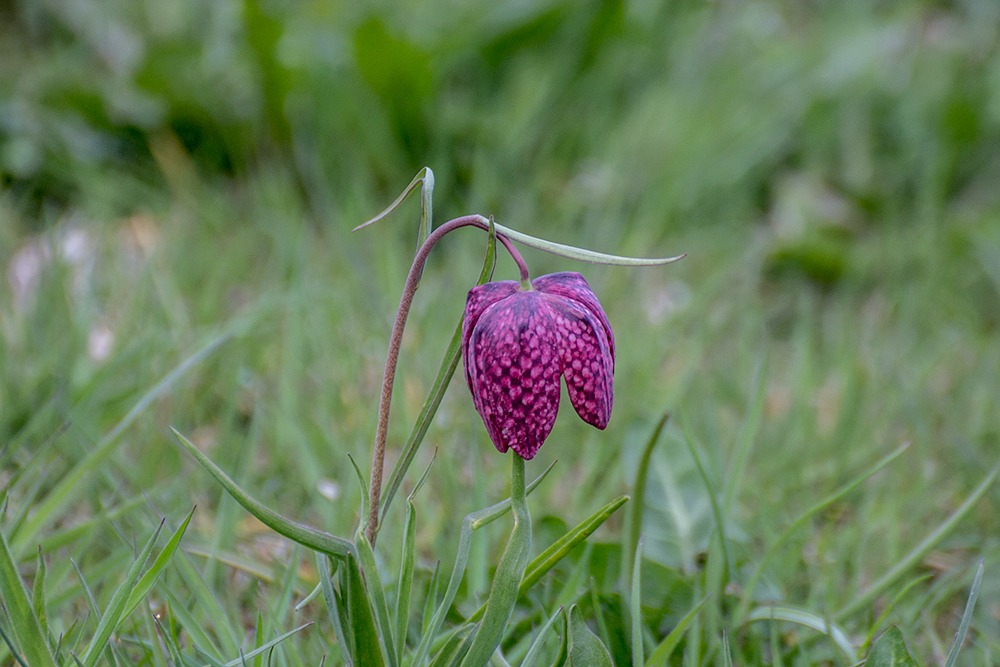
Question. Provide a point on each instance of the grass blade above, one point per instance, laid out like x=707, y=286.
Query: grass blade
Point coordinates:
x=714, y=499
x=639, y=495
x=238, y=662
x=636, y=608
x=536, y=646
x=919, y=551
x=65, y=491
x=24, y=622
x=407, y=562
x=666, y=647
x=144, y=585
x=367, y=650
x=308, y=537
x=325, y=564
x=963, y=626
x=809, y=620
x=802, y=518
x=113, y=614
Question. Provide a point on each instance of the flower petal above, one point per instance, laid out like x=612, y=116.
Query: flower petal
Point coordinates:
x=574, y=287
x=513, y=366
x=586, y=360
x=479, y=299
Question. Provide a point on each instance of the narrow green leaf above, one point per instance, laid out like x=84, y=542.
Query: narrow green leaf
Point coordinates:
x=890, y=651
x=169, y=640
x=888, y=610
x=536, y=646
x=113, y=614
x=368, y=653
x=424, y=177
x=963, y=626
x=71, y=484
x=265, y=647
x=509, y=572
x=38, y=596
x=662, y=652
x=713, y=497
x=639, y=494
x=296, y=532
x=208, y=604
x=734, y=478
x=144, y=585
x=919, y=551
x=194, y=628
x=471, y=522
x=562, y=658
x=431, y=601
x=25, y=624
x=581, y=254
x=457, y=646
x=259, y=640
x=599, y=613
x=433, y=400
x=11, y=648
x=407, y=561
x=727, y=655
x=638, y=657
x=747, y=599
x=807, y=619
x=586, y=650
x=324, y=564
x=377, y=593
x=561, y=548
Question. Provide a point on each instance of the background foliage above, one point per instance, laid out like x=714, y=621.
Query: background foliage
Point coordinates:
x=176, y=170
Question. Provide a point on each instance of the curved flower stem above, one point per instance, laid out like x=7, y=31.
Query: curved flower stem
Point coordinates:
x=395, y=341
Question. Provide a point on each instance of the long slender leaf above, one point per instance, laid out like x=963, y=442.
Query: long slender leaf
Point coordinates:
x=536, y=646
x=308, y=537
x=666, y=647
x=639, y=495
x=113, y=614
x=367, y=650
x=638, y=657
x=713, y=497
x=324, y=564
x=580, y=253
x=194, y=628
x=406, y=564
x=807, y=619
x=888, y=610
x=963, y=626
x=919, y=551
x=25, y=623
x=144, y=585
x=508, y=576
x=265, y=647
x=38, y=596
x=71, y=484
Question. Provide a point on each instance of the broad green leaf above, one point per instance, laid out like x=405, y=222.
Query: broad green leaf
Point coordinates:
x=890, y=651
x=508, y=576
x=963, y=626
x=367, y=650
x=919, y=551
x=662, y=652
x=586, y=650
x=144, y=585
x=113, y=614
x=807, y=619
x=296, y=532
x=25, y=624
x=59, y=498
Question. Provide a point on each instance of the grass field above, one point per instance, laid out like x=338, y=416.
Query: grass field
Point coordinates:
x=178, y=182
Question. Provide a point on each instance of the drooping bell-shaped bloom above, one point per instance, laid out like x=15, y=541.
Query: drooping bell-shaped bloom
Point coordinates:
x=516, y=345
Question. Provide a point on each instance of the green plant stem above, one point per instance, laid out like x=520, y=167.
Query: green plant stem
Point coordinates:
x=395, y=342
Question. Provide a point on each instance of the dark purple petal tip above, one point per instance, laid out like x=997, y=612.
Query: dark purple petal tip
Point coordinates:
x=516, y=344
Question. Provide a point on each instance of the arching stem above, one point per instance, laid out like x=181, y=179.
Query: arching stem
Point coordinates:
x=395, y=342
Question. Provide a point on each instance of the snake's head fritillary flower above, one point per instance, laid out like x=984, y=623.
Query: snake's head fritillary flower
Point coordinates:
x=517, y=343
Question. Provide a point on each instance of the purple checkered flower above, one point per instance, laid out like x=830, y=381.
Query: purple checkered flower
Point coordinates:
x=517, y=343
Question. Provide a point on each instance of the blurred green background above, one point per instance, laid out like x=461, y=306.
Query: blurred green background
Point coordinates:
x=173, y=170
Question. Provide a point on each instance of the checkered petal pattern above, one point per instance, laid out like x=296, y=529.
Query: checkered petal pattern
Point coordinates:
x=517, y=344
